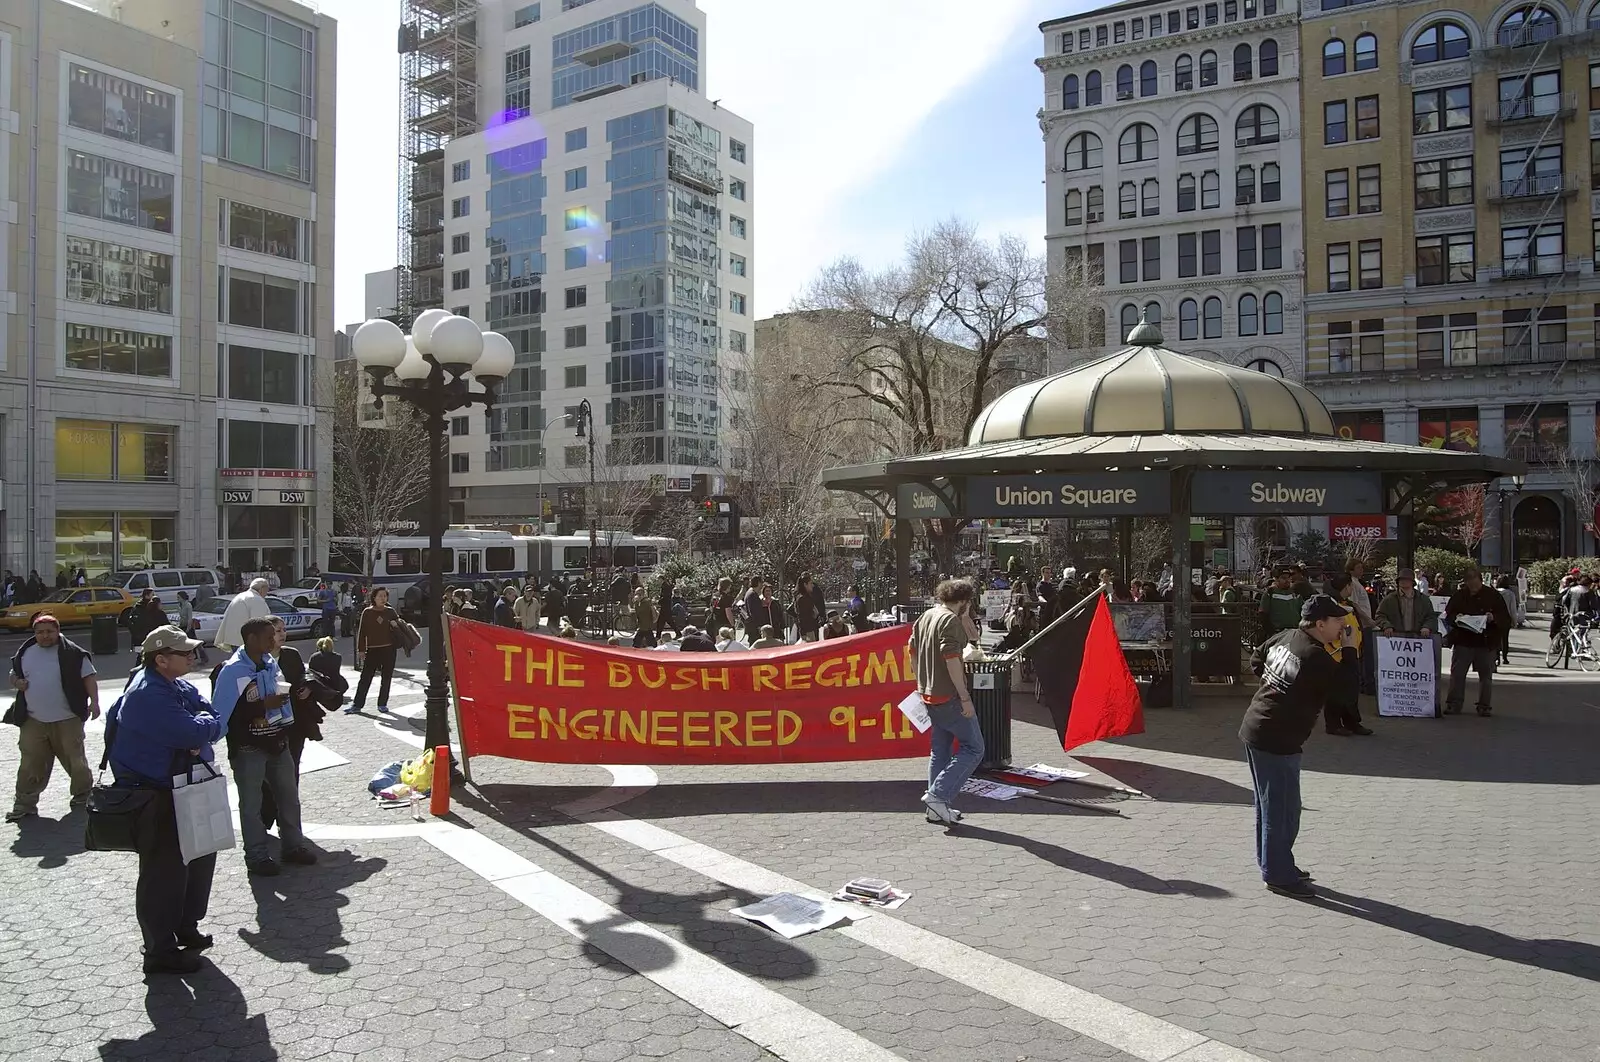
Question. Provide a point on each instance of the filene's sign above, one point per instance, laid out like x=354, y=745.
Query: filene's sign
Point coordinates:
x=1088, y=494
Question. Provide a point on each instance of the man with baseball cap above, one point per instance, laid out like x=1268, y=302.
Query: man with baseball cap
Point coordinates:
x=1296, y=670
x=56, y=691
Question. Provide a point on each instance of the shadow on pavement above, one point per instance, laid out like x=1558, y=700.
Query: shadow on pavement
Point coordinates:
x=1169, y=784
x=53, y=841
x=298, y=911
x=201, y=1014
x=1572, y=957
x=1078, y=863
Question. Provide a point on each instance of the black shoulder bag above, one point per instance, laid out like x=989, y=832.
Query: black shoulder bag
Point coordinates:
x=117, y=814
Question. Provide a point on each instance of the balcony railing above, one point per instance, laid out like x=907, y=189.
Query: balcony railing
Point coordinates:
x=1514, y=354
x=1544, y=265
x=1537, y=108
x=1533, y=186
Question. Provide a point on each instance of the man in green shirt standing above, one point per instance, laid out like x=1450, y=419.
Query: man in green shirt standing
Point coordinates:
x=1280, y=604
x=937, y=639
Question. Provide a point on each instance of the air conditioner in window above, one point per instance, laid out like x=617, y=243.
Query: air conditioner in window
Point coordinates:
x=1244, y=141
x=1124, y=94
x=1096, y=215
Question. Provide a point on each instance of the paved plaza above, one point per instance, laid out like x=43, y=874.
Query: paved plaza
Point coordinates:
x=581, y=913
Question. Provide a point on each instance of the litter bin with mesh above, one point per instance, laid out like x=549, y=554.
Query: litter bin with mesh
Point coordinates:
x=103, y=635
x=991, y=698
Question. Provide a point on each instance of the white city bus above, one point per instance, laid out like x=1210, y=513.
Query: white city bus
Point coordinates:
x=496, y=555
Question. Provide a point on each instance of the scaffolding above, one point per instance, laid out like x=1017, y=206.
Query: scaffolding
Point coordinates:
x=438, y=102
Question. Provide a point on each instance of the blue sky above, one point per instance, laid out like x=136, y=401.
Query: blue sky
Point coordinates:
x=874, y=119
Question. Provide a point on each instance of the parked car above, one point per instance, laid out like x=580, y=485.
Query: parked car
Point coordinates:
x=303, y=592
x=166, y=582
x=71, y=606
x=299, y=622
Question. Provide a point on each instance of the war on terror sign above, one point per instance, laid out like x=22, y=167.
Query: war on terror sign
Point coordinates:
x=1406, y=676
x=1086, y=494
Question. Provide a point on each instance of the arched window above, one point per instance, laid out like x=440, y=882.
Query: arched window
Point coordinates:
x=1150, y=197
x=1069, y=93
x=1272, y=314
x=1147, y=78
x=1074, y=207
x=1210, y=190
x=1137, y=143
x=1152, y=312
x=1208, y=69
x=1095, y=202
x=1267, y=52
x=1248, y=320
x=1366, y=52
x=1197, y=134
x=1333, y=57
x=1213, y=318
x=1188, y=319
x=1244, y=186
x=1267, y=366
x=1440, y=41
x=1127, y=200
x=1183, y=73
x=1242, y=63
x=1594, y=17
x=1257, y=125
x=1124, y=82
x=1186, y=200
x=1091, y=89
x=1271, y=183
x=1083, y=153
x=1130, y=317
x=1528, y=25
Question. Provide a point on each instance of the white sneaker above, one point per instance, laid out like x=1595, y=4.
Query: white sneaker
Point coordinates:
x=940, y=811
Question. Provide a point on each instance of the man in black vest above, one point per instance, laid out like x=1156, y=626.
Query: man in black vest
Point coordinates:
x=56, y=691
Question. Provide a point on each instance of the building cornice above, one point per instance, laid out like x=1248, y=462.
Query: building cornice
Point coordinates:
x=1188, y=38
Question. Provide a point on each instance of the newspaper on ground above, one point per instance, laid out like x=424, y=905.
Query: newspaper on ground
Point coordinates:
x=993, y=790
x=1046, y=773
x=792, y=916
x=888, y=902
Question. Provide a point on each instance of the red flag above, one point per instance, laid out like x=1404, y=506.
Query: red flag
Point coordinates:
x=1085, y=681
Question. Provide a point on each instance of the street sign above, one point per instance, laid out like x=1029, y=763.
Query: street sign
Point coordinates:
x=1309, y=493
x=913, y=501
x=1086, y=494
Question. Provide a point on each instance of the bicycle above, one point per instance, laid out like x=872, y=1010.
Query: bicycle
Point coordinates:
x=1574, y=641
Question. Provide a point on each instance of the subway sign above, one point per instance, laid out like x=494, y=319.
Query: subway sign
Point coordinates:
x=1229, y=493
x=1087, y=494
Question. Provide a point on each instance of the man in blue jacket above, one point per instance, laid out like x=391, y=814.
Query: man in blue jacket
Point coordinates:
x=159, y=728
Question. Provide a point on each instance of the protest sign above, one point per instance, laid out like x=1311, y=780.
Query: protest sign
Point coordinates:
x=1406, y=676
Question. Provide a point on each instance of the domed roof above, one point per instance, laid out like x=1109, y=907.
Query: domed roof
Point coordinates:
x=1148, y=389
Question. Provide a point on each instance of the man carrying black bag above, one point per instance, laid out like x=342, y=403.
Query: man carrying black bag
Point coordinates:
x=160, y=727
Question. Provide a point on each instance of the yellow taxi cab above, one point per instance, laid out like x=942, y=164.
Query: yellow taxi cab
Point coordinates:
x=70, y=606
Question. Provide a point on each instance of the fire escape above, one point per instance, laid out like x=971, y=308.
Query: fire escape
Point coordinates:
x=438, y=102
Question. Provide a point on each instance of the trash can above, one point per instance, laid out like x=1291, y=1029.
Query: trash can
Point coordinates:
x=103, y=635
x=991, y=698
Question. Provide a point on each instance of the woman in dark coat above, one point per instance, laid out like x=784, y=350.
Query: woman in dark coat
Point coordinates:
x=308, y=714
x=809, y=608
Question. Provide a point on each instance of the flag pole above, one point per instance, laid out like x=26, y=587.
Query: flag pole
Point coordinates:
x=1047, y=628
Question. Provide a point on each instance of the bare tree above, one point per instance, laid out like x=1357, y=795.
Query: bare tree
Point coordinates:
x=1464, y=510
x=380, y=465
x=1577, y=478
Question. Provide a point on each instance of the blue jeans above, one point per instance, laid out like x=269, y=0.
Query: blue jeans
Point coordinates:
x=1277, y=785
x=948, y=772
x=251, y=768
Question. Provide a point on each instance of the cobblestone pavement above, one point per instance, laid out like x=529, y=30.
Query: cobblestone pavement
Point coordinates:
x=1459, y=918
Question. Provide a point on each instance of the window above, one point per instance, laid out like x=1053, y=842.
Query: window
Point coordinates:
x=1147, y=78
x=1183, y=73
x=1129, y=318
x=577, y=179
x=1128, y=261
x=1271, y=183
x=1443, y=182
x=1257, y=125
x=1210, y=190
x=256, y=375
x=1247, y=321
x=1127, y=200
x=1530, y=335
x=1533, y=250
x=1124, y=82
x=1186, y=187
x=1188, y=254
x=1208, y=69
x=118, y=350
x=1119, y=33
x=1150, y=197
x=1091, y=89
x=1137, y=144
x=460, y=243
x=1069, y=92
x=98, y=450
x=1272, y=247
x=736, y=302
x=1538, y=433
x=1366, y=52
x=1366, y=117
x=575, y=257
x=1074, y=207
x=1371, y=263
x=110, y=274
x=577, y=139
x=519, y=100
x=1339, y=347
x=1594, y=164
x=577, y=298
x=1150, y=248
x=525, y=16
x=460, y=171
x=1244, y=250
x=1530, y=96
x=1434, y=110
x=1083, y=153
x=737, y=342
x=257, y=301
x=737, y=189
x=1335, y=122
x=460, y=208
x=1244, y=186
x=1338, y=267
x=736, y=151
x=1336, y=193
x=1594, y=87
x=461, y=311
x=116, y=107
x=576, y=218
x=737, y=226
x=1083, y=39
x=1369, y=189
x=1197, y=135
x=460, y=462
x=252, y=228
x=1444, y=40
x=1213, y=318
x=1528, y=25
x=1101, y=37
x=1267, y=53
x=1211, y=14
x=460, y=426
x=1191, y=18
x=1242, y=63
x=1152, y=312
x=1095, y=202
x=577, y=375
x=252, y=444
x=118, y=191
x=1272, y=314
x=1188, y=319
x=575, y=336
x=1333, y=57
x=1370, y=344
x=1530, y=170
x=459, y=279
x=1447, y=259
x=738, y=265
x=1211, y=252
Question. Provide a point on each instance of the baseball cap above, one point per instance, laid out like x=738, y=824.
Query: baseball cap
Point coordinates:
x=168, y=638
x=43, y=617
x=1322, y=607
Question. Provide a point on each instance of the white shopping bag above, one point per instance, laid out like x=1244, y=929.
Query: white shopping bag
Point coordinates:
x=205, y=824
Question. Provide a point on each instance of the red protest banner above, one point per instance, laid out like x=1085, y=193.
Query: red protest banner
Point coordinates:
x=555, y=700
